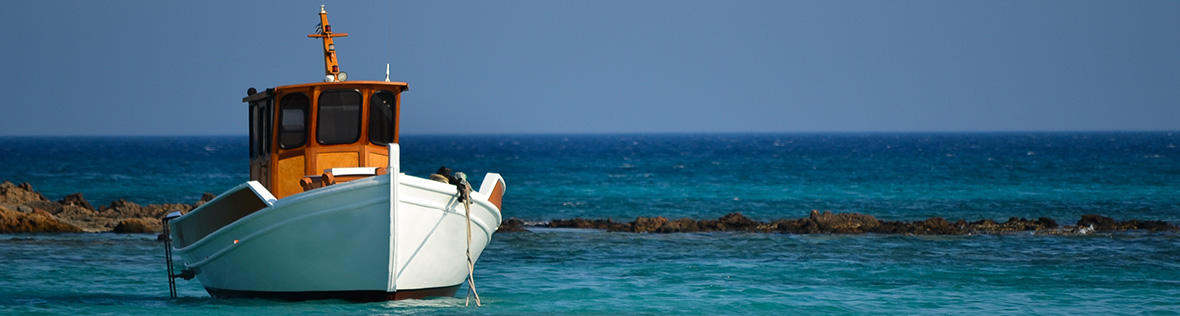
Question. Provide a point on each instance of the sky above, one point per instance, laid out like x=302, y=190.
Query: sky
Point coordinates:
x=568, y=67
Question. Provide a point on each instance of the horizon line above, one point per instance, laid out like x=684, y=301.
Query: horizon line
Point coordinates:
x=639, y=133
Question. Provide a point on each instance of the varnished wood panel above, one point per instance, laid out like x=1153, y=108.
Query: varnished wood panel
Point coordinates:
x=336, y=160
x=377, y=160
x=290, y=172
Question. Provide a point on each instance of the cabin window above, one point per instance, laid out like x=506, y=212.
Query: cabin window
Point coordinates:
x=382, y=107
x=255, y=142
x=339, y=117
x=268, y=122
x=260, y=122
x=293, y=121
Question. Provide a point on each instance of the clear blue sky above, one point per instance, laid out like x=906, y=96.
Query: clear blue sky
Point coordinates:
x=485, y=67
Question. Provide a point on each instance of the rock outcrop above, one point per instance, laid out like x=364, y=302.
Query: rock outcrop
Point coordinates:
x=511, y=225
x=136, y=226
x=32, y=212
x=37, y=221
x=1101, y=223
x=855, y=223
x=23, y=210
x=76, y=199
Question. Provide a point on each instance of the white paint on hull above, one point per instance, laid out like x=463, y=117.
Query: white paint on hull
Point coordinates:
x=338, y=238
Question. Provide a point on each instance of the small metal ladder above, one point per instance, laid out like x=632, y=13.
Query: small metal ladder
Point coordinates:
x=184, y=274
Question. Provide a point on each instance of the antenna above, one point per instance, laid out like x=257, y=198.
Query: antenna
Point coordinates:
x=389, y=40
x=331, y=67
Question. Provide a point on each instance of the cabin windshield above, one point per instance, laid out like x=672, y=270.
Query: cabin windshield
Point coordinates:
x=339, y=115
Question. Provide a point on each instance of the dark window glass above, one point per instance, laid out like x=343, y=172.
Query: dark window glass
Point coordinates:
x=293, y=121
x=339, y=117
x=255, y=129
x=261, y=115
x=381, y=112
x=267, y=119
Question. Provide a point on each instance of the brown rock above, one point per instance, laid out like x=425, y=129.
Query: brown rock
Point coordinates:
x=895, y=228
x=1158, y=226
x=1104, y=224
x=160, y=210
x=511, y=225
x=938, y=226
x=46, y=205
x=205, y=198
x=1014, y=224
x=1100, y=223
x=38, y=221
x=1047, y=223
x=121, y=208
x=76, y=200
x=844, y=223
x=855, y=223
x=13, y=194
x=571, y=223
x=825, y=223
x=605, y=224
x=125, y=209
x=134, y=226
x=737, y=222
x=683, y=225
x=787, y=226
x=648, y=225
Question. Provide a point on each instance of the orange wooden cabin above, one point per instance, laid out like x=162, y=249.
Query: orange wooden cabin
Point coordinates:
x=311, y=135
x=299, y=132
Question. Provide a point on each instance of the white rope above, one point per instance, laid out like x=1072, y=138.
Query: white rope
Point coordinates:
x=466, y=195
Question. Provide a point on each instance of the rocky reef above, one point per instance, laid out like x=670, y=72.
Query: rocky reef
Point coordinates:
x=850, y=223
x=23, y=210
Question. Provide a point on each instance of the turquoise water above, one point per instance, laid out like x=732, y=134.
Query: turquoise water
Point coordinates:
x=579, y=272
x=891, y=176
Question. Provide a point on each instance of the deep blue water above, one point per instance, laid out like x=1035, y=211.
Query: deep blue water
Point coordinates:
x=764, y=176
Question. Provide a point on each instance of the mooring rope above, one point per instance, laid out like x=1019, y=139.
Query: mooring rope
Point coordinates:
x=465, y=197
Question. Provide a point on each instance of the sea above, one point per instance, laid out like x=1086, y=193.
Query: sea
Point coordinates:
x=892, y=176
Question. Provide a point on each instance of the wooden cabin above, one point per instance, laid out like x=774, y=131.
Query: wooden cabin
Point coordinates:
x=307, y=136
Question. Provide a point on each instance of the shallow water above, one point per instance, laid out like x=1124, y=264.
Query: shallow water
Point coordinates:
x=592, y=272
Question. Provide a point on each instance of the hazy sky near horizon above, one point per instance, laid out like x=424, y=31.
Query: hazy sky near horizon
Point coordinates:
x=181, y=68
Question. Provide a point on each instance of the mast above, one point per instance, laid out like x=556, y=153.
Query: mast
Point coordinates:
x=332, y=71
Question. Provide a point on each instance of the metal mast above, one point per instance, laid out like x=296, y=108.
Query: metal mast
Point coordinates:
x=331, y=66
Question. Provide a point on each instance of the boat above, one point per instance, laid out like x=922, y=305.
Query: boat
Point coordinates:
x=328, y=212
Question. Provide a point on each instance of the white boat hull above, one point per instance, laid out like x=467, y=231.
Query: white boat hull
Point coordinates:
x=343, y=241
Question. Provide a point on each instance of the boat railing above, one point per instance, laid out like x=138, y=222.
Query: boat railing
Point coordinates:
x=338, y=175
